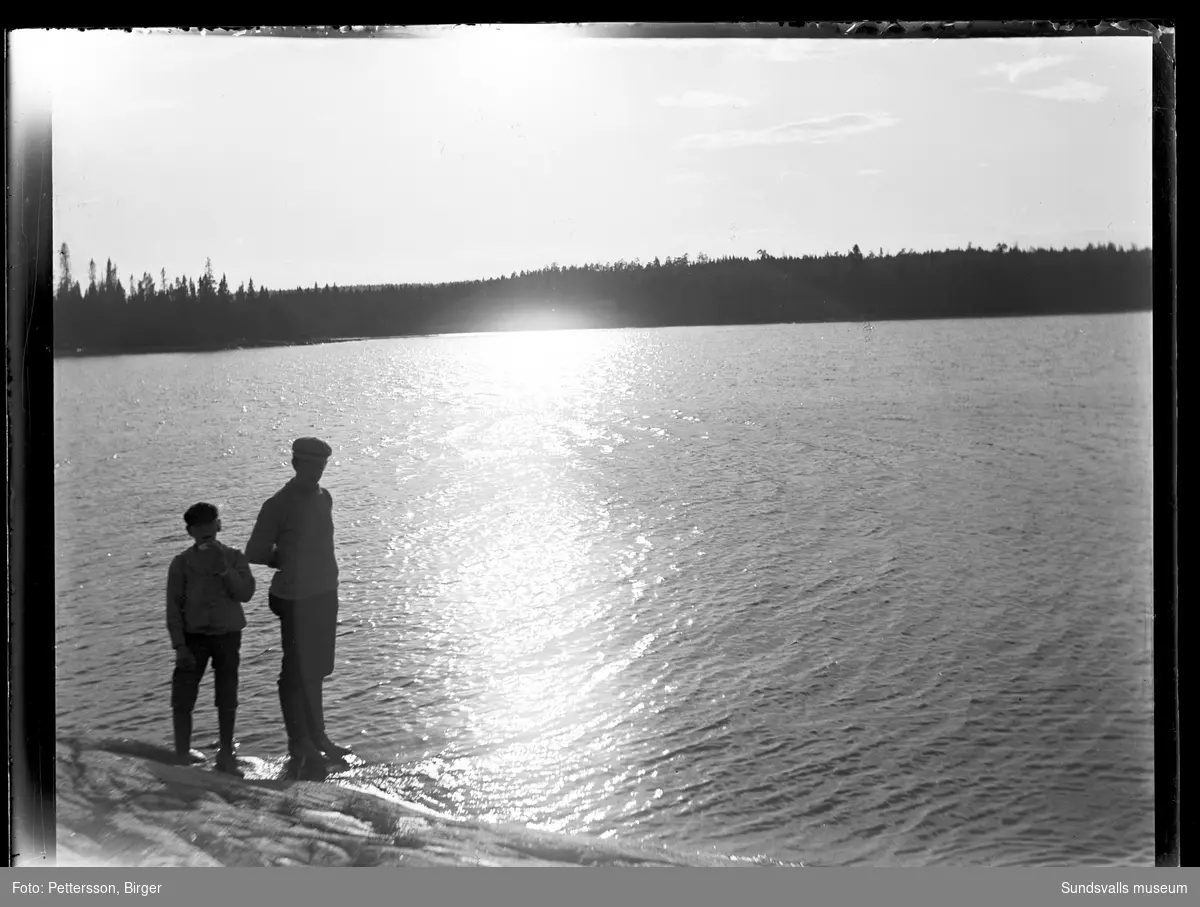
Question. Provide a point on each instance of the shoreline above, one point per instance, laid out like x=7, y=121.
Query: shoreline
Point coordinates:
x=84, y=353
x=120, y=803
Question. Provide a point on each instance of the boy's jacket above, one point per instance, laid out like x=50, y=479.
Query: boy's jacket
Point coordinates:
x=201, y=601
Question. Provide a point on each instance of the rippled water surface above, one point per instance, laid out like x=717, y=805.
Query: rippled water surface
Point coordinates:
x=822, y=593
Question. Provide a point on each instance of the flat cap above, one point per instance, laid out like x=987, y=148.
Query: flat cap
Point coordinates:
x=311, y=449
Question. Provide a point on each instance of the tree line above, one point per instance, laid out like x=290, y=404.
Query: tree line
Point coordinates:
x=181, y=313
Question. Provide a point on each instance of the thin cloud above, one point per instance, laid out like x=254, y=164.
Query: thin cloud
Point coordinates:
x=869, y=171
x=1070, y=90
x=682, y=44
x=1014, y=71
x=704, y=99
x=149, y=105
x=687, y=179
x=771, y=50
x=782, y=50
x=815, y=131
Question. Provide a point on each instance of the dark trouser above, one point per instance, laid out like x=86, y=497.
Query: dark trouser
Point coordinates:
x=308, y=628
x=308, y=631
x=225, y=652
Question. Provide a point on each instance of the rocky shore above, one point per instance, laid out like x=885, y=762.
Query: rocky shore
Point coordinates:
x=121, y=803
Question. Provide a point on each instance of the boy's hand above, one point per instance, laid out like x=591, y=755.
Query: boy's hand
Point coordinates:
x=217, y=558
x=184, y=658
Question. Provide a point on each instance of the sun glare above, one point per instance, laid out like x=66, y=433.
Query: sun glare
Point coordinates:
x=512, y=62
x=520, y=590
x=538, y=363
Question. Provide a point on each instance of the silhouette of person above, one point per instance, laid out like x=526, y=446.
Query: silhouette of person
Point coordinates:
x=206, y=587
x=294, y=535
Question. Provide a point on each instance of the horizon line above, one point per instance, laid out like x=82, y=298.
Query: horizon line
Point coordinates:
x=637, y=261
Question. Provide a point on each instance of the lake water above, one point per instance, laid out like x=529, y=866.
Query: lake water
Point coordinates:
x=832, y=594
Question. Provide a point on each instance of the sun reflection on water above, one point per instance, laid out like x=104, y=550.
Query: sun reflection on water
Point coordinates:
x=517, y=593
x=538, y=366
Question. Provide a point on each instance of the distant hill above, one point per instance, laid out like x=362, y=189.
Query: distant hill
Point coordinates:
x=184, y=314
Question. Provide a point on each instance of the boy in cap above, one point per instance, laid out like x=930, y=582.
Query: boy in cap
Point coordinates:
x=294, y=535
x=206, y=587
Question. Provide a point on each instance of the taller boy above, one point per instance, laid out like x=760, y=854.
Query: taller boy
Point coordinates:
x=294, y=535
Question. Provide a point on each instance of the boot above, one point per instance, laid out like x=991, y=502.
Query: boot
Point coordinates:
x=227, y=764
x=315, y=712
x=298, y=769
x=300, y=744
x=184, y=753
x=226, y=760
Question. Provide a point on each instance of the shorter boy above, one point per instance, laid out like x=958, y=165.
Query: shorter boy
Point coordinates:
x=206, y=587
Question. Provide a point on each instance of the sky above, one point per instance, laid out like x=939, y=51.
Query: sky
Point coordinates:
x=491, y=150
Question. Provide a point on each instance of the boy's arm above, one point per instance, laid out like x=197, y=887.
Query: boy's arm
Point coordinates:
x=175, y=603
x=238, y=578
x=260, y=549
